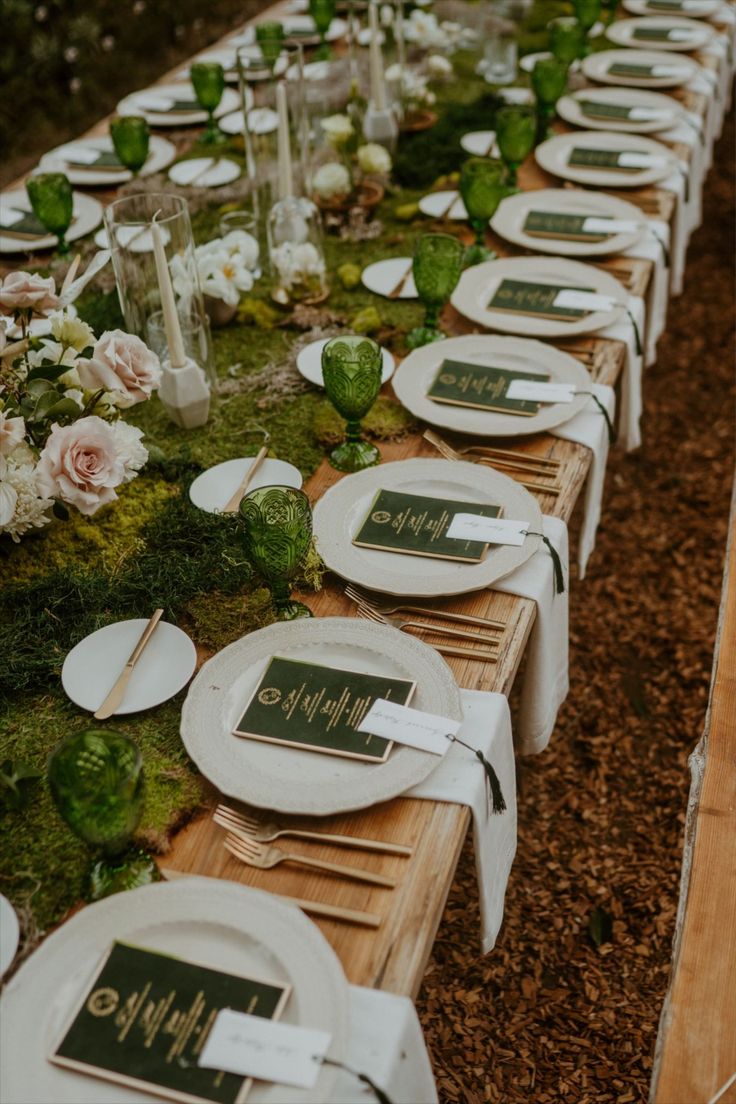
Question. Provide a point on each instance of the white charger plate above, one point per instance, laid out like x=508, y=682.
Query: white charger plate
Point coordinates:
x=213, y=489
x=417, y=372
x=87, y=215
x=703, y=9
x=92, y=666
x=571, y=110
x=478, y=285
x=446, y=204
x=381, y=277
x=553, y=155
x=480, y=143
x=212, y=922
x=623, y=33
x=135, y=104
x=209, y=172
x=596, y=67
x=9, y=934
x=300, y=28
x=340, y=512
x=509, y=219
x=309, y=362
x=290, y=780
x=161, y=153
x=226, y=57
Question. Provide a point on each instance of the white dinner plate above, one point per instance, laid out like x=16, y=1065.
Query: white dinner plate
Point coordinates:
x=93, y=665
x=204, y=172
x=341, y=511
x=231, y=123
x=160, y=154
x=382, y=277
x=226, y=57
x=665, y=111
x=480, y=143
x=300, y=28
x=87, y=214
x=528, y=61
x=309, y=362
x=508, y=221
x=9, y=934
x=553, y=156
x=478, y=285
x=417, y=372
x=213, y=489
x=446, y=204
x=693, y=9
x=209, y=921
x=290, y=780
x=151, y=103
x=669, y=71
x=687, y=34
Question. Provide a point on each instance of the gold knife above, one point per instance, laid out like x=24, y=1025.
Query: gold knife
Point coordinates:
x=231, y=506
x=114, y=698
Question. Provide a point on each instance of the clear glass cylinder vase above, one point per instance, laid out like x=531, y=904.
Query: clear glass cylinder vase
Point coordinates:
x=295, y=251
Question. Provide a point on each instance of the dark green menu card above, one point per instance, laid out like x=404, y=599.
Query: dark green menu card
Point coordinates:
x=630, y=69
x=106, y=159
x=482, y=387
x=318, y=708
x=146, y=1017
x=556, y=224
x=597, y=109
x=417, y=525
x=584, y=157
x=29, y=225
x=653, y=34
x=665, y=5
x=526, y=297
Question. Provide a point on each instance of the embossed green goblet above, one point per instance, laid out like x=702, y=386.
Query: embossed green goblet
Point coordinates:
x=549, y=80
x=438, y=263
x=96, y=781
x=208, y=81
x=516, y=126
x=587, y=13
x=351, y=369
x=131, y=136
x=566, y=38
x=322, y=12
x=277, y=527
x=270, y=37
x=482, y=189
x=50, y=196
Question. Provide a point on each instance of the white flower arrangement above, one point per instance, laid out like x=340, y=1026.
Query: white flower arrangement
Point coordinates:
x=332, y=181
x=227, y=267
x=423, y=30
x=338, y=129
x=374, y=159
x=411, y=87
x=298, y=266
x=438, y=67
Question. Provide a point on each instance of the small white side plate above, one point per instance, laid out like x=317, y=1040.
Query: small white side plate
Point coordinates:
x=382, y=277
x=204, y=172
x=213, y=489
x=93, y=665
x=480, y=143
x=443, y=205
x=9, y=934
x=309, y=363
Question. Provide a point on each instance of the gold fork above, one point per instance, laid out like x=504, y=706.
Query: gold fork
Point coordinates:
x=445, y=649
x=507, y=458
x=397, y=623
x=451, y=454
x=360, y=598
x=267, y=831
x=265, y=856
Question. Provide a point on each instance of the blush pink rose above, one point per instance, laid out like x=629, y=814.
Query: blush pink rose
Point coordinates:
x=28, y=291
x=122, y=364
x=81, y=465
x=12, y=432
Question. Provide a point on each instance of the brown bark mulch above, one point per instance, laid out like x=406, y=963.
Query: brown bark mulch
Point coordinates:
x=549, y=1015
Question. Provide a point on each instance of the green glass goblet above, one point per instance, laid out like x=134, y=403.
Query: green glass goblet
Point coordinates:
x=516, y=126
x=587, y=12
x=438, y=263
x=270, y=37
x=608, y=11
x=52, y=201
x=96, y=781
x=549, y=80
x=277, y=526
x=323, y=12
x=482, y=189
x=352, y=369
x=131, y=136
x=566, y=39
x=208, y=81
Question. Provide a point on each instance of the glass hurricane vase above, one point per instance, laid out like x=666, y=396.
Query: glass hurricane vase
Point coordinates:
x=482, y=189
x=277, y=529
x=52, y=202
x=351, y=369
x=437, y=265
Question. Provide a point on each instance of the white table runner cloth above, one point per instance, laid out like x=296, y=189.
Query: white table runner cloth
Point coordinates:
x=654, y=247
x=629, y=432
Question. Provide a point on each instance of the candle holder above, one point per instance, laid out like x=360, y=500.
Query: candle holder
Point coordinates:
x=277, y=528
x=352, y=368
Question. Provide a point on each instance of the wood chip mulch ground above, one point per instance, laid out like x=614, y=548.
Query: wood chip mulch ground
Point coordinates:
x=549, y=1015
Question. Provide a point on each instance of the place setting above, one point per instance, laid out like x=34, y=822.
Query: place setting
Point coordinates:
x=660, y=33
x=692, y=9
x=175, y=105
x=644, y=69
x=95, y=162
x=569, y=222
x=606, y=159
x=634, y=112
x=46, y=214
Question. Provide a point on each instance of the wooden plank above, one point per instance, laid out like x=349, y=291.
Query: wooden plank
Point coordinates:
x=697, y=1042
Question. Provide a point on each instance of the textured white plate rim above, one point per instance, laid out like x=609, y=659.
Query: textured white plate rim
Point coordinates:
x=293, y=781
x=339, y=511
x=640, y=7
x=186, y=661
x=621, y=33
x=415, y=373
x=511, y=215
x=569, y=109
x=9, y=933
x=477, y=283
x=213, y=488
x=313, y=371
x=397, y=265
x=320, y=996
x=550, y=156
x=161, y=154
x=87, y=209
x=596, y=67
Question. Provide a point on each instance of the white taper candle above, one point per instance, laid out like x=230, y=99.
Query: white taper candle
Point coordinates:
x=172, y=328
x=378, y=87
x=284, y=144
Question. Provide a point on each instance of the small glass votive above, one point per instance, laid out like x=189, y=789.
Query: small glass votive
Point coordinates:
x=500, y=54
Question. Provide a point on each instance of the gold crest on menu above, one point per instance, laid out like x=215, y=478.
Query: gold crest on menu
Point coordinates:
x=103, y=1001
x=381, y=517
x=269, y=695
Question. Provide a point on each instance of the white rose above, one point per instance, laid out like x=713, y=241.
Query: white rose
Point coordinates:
x=373, y=158
x=12, y=432
x=81, y=465
x=338, y=129
x=123, y=364
x=28, y=291
x=438, y=66
x=71, y=331
x=332, y=180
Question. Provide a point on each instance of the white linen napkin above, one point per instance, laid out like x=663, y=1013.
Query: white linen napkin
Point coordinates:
x=629, y=433
x=656, y=249
x=589, y=428
x=460, y=778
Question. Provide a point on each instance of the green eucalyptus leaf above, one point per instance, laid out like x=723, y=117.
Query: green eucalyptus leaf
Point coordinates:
x=64, y=408
x=48, y=372
x=39, y=385
x=45, y=402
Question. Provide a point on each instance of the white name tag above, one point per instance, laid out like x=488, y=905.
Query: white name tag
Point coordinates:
x=271, y=1051
x=570, y=299
x=610, y=226
x=640, y=161
x=669, y=71
x=541, y=392
x=491, y=530
x=9, y=217
x=648, y=114
x=82, y=155
x=262, y=120
x=680, y=34
x=426, y=731
x=155, y=102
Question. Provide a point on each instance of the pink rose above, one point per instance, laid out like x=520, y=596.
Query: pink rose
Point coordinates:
x=122, y=364
x=27, y=291
x=12, y=432
x=81, y=465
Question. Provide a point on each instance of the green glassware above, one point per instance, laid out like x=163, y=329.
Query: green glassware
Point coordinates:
x=96, y=781
x=270, y=37
x=549, y=80
x=608, y=11
x=352, y=369
x=587, y=12
x=277, y=525
x=208, y=81
x=516, y=126
x=482, y=189
x=323, y=12
x=566, y=39
x=50, y=196
x=131, y=136
x=438, y=263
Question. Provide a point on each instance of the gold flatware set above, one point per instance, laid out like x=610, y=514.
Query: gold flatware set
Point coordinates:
x=514, y=464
